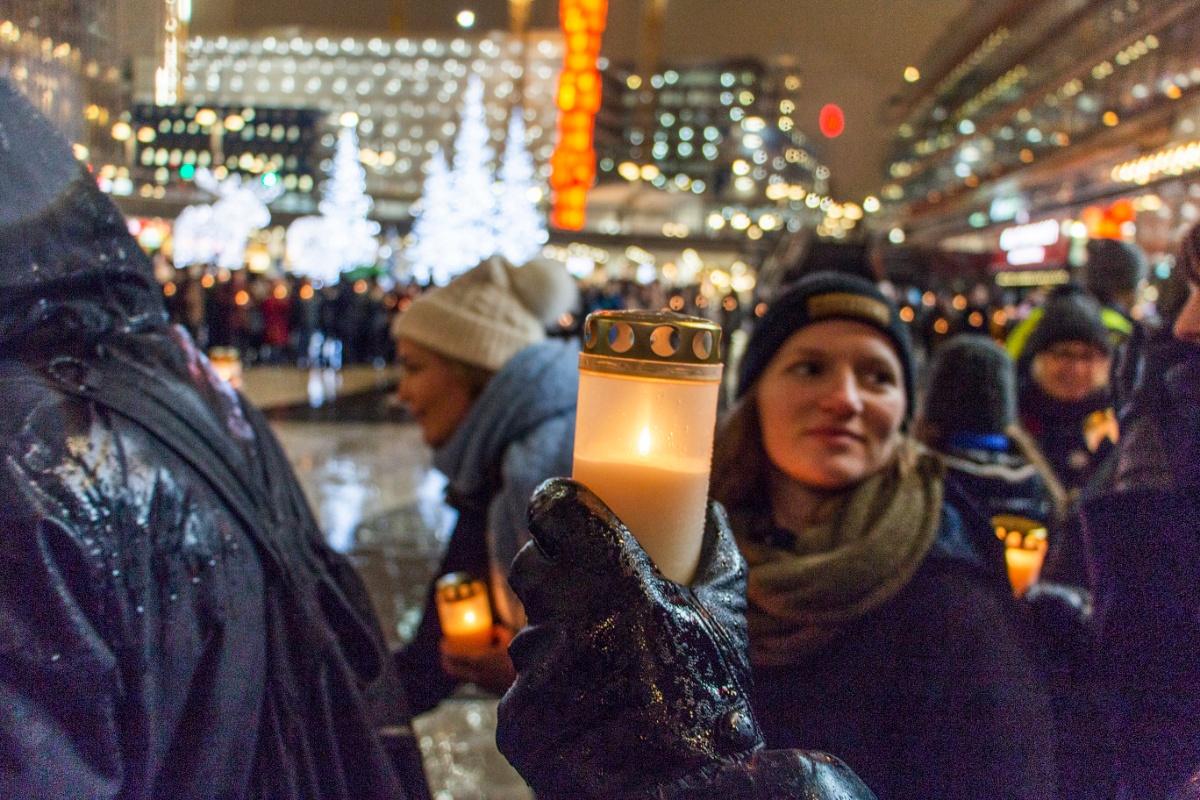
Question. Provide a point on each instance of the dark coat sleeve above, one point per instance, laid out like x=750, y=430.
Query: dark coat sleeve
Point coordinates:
x=989, y=729
x=59, y=676
x=419, y=663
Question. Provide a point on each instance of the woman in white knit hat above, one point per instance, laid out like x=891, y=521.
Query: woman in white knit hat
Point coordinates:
x=495, y=399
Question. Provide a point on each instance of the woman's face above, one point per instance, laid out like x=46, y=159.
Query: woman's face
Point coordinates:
x=1071, y=371
x=436, y=393
x=831, y=403
x=1187, y=325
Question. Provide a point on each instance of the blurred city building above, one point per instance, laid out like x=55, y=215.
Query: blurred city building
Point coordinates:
x=406, y=93
x=272, y=144
x=1052, y=123
x=63, y=55
x=716, y=142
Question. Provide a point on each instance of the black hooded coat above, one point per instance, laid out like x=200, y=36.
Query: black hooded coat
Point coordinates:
x=172, y=624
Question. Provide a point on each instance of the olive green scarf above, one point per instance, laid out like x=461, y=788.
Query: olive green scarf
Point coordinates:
x=806, y=585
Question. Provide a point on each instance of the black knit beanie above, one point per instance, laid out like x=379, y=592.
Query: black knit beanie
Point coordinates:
x=1069, y=318
x=1113, y=267
x=818, y=297
x=972, y=387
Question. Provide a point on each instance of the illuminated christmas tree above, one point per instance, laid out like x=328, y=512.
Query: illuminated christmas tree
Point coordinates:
x=474, y=202
x=342, y=237
x=435, y=253
x=520, y=226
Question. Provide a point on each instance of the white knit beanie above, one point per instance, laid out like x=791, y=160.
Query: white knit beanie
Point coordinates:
x=485, y=316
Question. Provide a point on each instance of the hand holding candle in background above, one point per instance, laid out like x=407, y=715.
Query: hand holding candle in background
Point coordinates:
x=488, y=666
x=465, y=614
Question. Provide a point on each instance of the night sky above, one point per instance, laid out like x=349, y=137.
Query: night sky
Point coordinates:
x=850, y=52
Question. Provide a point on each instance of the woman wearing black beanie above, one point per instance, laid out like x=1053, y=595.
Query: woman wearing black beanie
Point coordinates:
x=878, y=632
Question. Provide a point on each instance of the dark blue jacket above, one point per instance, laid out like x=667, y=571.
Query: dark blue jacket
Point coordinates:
x=1143, y=536
x=933, y=695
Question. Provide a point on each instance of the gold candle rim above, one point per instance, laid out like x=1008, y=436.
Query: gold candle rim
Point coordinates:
x=631, y=336
x=455, y=586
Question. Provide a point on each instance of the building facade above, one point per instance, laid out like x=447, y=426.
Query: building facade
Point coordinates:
x=1084, y=113
x=723, y=132
x=63, y=55
x=407, y=93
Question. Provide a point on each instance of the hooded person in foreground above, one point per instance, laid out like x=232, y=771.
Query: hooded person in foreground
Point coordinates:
x=172, y=624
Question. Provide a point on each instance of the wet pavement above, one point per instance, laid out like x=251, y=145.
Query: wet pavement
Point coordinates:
x=367, y=474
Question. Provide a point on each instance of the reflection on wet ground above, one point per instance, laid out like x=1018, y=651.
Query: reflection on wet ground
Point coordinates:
x=368, y=476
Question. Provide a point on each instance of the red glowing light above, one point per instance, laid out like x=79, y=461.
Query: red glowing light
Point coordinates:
x=832, y=120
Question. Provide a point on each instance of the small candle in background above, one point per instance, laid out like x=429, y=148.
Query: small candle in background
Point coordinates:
x=648, y=386
x=227, y=364
x=464, y=612
x=1025, y=548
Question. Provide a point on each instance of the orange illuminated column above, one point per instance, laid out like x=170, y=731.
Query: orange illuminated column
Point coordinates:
x=573, y=165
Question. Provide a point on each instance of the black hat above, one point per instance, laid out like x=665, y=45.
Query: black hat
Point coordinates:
x=816, y=298
x=55, y=223
x=1069, y=318
x=972, y=387
x=1113, y=267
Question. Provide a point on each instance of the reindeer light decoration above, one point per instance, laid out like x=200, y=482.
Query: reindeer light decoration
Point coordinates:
x=216, y=233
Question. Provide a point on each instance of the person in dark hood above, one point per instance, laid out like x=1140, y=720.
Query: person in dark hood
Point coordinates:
x=1143, y=536
x=969, y=418
x=172, y=623
x=495, y=399
x=880, y=628
x=1113, y=274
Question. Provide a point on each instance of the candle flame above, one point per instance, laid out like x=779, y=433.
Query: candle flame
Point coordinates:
x=643, y=442
x=469, y=617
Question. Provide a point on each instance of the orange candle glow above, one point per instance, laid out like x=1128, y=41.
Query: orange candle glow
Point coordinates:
x=464, y=613
x=1025, y=548
x=228, y=366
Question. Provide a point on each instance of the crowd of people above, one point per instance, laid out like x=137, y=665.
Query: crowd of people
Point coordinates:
x=174, y=624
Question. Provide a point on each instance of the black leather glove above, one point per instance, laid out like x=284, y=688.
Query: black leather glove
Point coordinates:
x=631, y=685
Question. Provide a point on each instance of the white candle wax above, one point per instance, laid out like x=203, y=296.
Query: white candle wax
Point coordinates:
x=661, y=501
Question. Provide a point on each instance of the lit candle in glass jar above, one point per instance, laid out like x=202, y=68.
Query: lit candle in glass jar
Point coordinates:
x=1025, y=548
x=464, y=613
x=228, y=366
x=648, y=388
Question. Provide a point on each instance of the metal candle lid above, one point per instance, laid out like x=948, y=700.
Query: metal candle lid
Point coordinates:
x=662, y=337
x=458, y=586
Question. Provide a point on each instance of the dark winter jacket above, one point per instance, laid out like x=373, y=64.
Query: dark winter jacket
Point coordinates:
x=519, y=432
x=1058, y=428
x=172, y=624
x=155, y=643
x=999, y=478
x=1143, y=537
x=931, y=696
